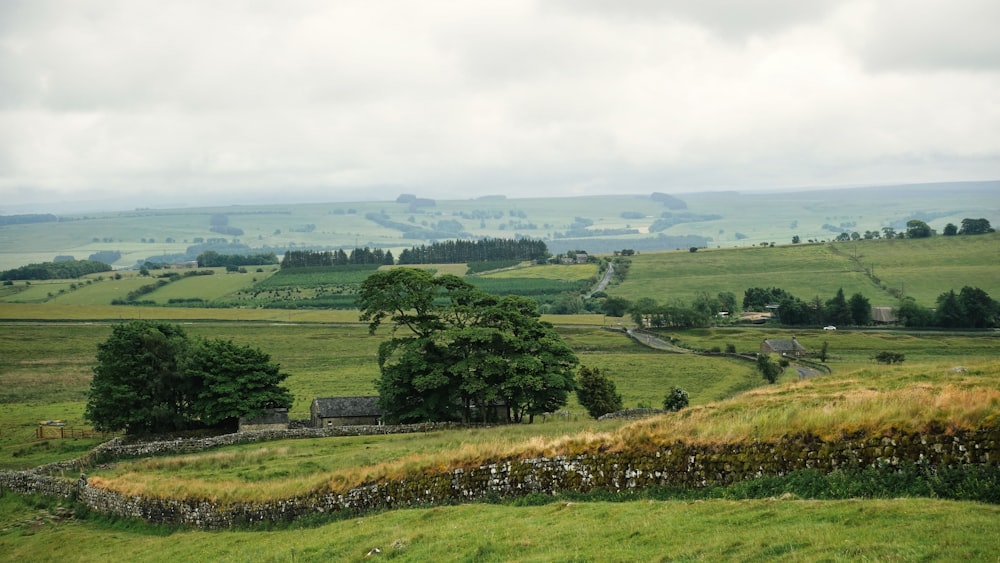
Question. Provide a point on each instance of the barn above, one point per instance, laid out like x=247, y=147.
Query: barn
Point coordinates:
x=345, y=411
x=790, y=347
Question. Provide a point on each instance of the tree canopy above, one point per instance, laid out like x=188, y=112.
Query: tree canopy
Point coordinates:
x=463, y=354
x=151, y=378
x=597, y=393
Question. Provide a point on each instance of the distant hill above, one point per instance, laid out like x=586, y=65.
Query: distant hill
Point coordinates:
x=665, y=220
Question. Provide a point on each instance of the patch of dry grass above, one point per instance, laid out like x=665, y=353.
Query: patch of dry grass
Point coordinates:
x=871, y=402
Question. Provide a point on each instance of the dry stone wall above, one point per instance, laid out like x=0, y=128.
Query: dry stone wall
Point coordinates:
x=678, y=464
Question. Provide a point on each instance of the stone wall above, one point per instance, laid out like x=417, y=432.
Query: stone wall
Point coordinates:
x=678, y=464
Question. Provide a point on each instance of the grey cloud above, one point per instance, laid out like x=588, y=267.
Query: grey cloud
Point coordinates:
x=933, y=35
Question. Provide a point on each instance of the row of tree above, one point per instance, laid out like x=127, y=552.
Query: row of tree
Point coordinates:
x=463, y=251
x=151, y=377
x=458, y=353
x=647, y=312
x=213, y=259
x=67, y=269
x=358, y=256
x=915, y=228
x=969, y=308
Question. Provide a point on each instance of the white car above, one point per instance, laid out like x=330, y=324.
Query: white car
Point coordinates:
x=831, y=327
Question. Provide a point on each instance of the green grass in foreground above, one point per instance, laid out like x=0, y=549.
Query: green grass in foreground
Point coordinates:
x=758, y=530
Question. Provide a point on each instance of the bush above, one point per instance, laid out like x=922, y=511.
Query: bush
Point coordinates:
x=676, y=399
x=890, y=358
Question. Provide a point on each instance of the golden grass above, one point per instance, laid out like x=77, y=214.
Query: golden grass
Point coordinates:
x=868, y=402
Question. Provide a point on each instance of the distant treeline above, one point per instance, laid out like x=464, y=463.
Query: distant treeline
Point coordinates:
x=212, y=259
x=55, y=270
x=464, y=251
x=27, y=218
x=442, y=229
x=309, y=258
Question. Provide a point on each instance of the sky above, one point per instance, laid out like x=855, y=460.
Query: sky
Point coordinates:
x=190, y=102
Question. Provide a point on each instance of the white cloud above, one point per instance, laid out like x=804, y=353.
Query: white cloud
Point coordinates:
x=231, y=98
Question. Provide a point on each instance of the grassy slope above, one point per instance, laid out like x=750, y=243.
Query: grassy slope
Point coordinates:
x=872, y=401
x=771, y=217
x=922, y=268
x=765, y=530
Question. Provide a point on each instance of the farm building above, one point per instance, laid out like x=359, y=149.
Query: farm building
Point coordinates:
x=344, y=411
x=271, y=419
x=884, y=315
x=784, y=347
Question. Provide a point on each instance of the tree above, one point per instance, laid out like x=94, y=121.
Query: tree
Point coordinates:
x=980, y=310
x=916, y=228
x=150, y=378
x=597, y=393
x=950, y=230
x=137, y=385
x=861, y=310
x=950, y=313
x=615, y=306
x=837, y=310
x=796, y=239
x=975, y=227
x=467, y=351
x=911, y=314
x=767, y=367
x=232, y=381
x=676, y=399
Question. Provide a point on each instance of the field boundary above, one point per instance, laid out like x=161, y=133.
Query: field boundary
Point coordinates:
x=677, y=465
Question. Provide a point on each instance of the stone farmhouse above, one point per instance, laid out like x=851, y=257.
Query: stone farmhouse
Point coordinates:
x=345, y=411
x=789, y=347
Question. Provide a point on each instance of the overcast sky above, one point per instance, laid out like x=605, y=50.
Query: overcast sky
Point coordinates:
x=343, y=100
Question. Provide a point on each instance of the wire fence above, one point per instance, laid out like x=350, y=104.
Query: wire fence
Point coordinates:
x=50, y=432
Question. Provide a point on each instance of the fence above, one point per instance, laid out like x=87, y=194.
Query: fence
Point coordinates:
x=51, y=432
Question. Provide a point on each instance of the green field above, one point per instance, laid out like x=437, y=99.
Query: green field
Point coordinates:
x=716, y=530
x=720, y=219
x=921, y=269
x=49, y=332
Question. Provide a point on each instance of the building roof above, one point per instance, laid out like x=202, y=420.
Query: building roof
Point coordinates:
x=883, y=315
x=781, y=346
x=332, y=407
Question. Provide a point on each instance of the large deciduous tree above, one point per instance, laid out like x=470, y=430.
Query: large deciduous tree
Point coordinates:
x=232, y=381
x=137, y=385
x=975, y=227
x=915, y=228
x=465, y=351
x=151, y=378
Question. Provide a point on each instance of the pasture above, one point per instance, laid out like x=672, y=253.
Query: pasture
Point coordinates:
x=722, y=219
x=921, y=269
x=564, y=529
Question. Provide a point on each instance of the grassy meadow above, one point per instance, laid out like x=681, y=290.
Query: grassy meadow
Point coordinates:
x=721, y=219
x=648, y=530
x=921, y=269
x=49, y=332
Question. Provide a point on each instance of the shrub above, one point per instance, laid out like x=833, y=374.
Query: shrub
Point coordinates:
x=676, y=399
